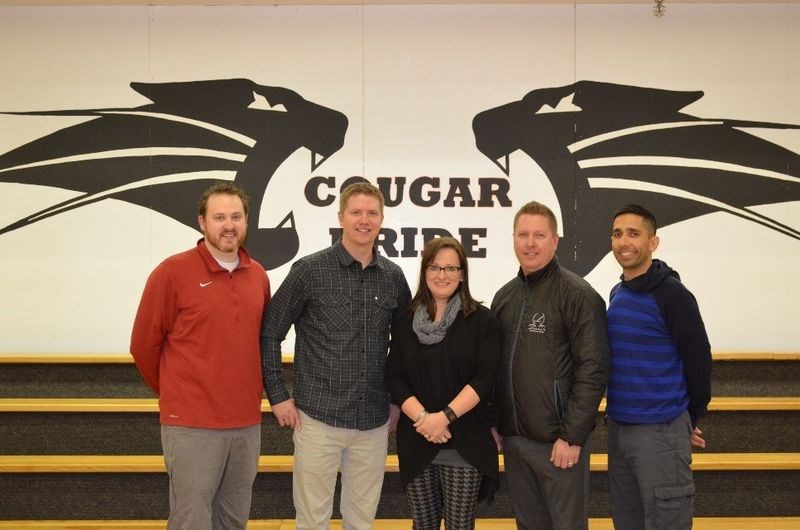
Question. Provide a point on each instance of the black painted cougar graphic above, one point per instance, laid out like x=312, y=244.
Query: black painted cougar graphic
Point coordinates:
x=163, y=155
x=618, y=144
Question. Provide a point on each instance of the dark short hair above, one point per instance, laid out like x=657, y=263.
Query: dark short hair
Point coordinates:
x=537, y=208
x=357, y=188
x=423, y=297
x=641, y=211
x=223, y=188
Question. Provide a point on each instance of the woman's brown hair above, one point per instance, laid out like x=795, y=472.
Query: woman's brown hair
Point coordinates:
x=423, y=297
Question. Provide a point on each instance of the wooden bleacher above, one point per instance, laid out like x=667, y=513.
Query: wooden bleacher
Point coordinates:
x=284, y=463
x=700, y=523
x=125, y=358
x=721, y=403
x=737, y=464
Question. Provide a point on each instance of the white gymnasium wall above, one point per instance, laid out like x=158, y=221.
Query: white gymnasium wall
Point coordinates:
x=410, y=79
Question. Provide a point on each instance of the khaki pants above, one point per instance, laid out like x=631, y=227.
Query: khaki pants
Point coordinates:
x=319, y=452
x=211, y=474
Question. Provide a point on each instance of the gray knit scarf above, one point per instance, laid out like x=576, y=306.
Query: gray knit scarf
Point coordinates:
x=433, y=332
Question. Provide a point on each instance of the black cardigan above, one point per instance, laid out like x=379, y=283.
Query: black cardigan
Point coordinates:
x=472, y=349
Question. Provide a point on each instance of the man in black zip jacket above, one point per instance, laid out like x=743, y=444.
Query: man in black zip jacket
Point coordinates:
x=553, y=376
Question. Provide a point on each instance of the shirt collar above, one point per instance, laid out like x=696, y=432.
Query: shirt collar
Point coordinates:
x=537, y=276
x=346, y=260
x=211, y=263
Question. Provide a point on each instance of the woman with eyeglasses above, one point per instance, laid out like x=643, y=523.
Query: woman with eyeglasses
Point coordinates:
x=441, y=370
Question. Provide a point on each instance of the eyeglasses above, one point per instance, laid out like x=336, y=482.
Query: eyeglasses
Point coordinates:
x=450, y=270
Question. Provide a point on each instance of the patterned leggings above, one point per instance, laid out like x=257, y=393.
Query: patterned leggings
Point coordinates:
x=449, y=489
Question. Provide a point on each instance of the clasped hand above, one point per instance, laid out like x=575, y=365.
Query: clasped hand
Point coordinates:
x=433, y=427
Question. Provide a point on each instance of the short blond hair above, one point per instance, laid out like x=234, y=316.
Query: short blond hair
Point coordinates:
x=537, y=208
x=359, y=188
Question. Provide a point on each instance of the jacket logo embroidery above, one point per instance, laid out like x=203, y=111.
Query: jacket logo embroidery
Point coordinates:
x=537, y=323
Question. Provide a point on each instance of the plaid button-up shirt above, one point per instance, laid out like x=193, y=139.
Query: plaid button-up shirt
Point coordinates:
x=342, y=315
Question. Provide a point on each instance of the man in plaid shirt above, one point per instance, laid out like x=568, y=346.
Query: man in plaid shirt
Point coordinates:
x=342, y=302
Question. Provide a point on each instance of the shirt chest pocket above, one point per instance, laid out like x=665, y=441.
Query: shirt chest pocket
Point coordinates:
x=382, y=311
x=335, y=312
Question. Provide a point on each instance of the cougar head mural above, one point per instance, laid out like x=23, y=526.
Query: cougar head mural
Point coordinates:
x=603, y=145
x=164, y=154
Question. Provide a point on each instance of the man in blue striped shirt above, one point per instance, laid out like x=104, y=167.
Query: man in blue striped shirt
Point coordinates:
x=660, y=382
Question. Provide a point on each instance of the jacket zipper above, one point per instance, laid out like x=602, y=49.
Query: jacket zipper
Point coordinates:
x=511, y=359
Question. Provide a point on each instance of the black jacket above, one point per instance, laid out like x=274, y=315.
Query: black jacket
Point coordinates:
x=555, y=356
x=470, y=355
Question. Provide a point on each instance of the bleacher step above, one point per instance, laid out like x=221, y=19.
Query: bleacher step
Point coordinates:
x=722, y=403
x=700, y=523
x=284, y=463
x=92, y=409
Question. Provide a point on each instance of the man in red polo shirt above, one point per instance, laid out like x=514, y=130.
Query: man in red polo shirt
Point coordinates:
x=195, y=341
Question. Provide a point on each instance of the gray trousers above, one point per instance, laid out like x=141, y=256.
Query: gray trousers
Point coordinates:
x=543, y=496
x=650, y=476
x=211, y=474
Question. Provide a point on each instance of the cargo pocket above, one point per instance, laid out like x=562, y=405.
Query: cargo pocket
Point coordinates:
x=674, y=506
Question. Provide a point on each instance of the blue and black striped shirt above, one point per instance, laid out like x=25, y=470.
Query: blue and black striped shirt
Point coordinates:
x=660, y=355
